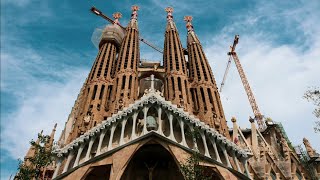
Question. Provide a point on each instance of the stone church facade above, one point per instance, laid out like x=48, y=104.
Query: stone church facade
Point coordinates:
x=141, y=120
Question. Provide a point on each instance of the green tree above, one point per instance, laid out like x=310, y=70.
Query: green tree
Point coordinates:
x=313, y=95
x=32, y=167
x=191, y=168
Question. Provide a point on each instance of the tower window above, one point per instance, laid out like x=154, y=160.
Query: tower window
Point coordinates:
x=130, y=79
x=101, y=92
x=179, y=84
x=203, y=99
x=123, y=82
x=94, y=92
x=173, y=89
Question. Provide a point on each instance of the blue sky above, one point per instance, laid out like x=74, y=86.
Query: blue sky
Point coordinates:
x=46, y=54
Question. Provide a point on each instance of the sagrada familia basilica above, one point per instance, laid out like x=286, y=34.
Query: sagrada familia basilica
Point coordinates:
x=141, y=120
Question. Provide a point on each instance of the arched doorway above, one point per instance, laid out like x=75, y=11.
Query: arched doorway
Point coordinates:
x=99, y=172
x=154, y=161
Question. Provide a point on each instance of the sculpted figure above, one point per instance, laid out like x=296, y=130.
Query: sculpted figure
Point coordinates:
x=150, y=169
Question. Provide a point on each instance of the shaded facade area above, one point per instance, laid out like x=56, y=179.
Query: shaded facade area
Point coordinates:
x=154, y=162
x=99, y=172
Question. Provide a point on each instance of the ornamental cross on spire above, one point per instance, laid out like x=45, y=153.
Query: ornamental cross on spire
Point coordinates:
x=169, y=10
x=117, y=16
x=188, y=19
x=134, y=9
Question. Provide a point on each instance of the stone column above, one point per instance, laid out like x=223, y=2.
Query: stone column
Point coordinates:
x=59, y=160
x=101, y=137
x=226, y=156
x=114, y=125
x=123, y=125
x=159, y=121
x=134, y=121
x=195, y=145
x=206, y=151
x=171, y=136
x=76, y=162
x=245, y=165
x=236, y=161
x=183, y=141
x=66, y=166
x=145, y=111
x=90, y=147
x=214, y=145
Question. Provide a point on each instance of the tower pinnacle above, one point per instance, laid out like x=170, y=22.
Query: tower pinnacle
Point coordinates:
x=188, y=19
x=206, y=99
x=116, y=16
x=134, y=16
x=169, y=10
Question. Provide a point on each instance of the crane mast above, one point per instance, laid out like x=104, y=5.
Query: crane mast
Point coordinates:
x=99, y=13
x=253, y=103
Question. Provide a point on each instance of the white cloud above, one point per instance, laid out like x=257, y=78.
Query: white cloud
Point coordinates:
x=278, y=74
x=40, y=102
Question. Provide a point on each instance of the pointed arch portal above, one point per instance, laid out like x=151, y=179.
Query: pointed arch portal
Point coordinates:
x=152, y=160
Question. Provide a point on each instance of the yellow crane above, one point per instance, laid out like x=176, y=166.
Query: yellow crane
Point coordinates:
x=233, y=55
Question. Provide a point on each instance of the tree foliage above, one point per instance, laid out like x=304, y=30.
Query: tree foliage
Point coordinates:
x=192, y=170
x=313, y=95
x=32, y=167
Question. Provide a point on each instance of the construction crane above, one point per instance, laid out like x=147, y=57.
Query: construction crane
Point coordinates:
x=233, y=55
x=99, y=13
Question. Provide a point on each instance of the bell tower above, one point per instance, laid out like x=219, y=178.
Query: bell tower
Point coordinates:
x=126, y=72
x=176, y=78
x=205, y=96
x=93, y=103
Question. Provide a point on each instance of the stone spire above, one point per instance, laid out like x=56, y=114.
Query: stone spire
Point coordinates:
x=205, y=96
x=176, y=79
x=126, y=72
x=254, y=138
x=94, y=105
x=311, y=152
x=50, y=143
x=235, y=133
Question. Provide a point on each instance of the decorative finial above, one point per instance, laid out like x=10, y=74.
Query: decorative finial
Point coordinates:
x=117, y=16
x=188, y=19
x=251, y=119
x=233, y=119
x=134, y=9
x=169, y=10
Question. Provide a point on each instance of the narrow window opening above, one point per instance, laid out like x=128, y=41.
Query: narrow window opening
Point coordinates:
x=123, y=82
x=101, y=92
x=94, y=92
x=173, y=90
x=203, y=99
x=179, y=84
x=130, y=79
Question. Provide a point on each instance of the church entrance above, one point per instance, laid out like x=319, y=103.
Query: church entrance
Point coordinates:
x=152, y=162
x=99, y=172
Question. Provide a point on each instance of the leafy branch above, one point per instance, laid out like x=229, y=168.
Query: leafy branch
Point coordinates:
x=33, y=166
